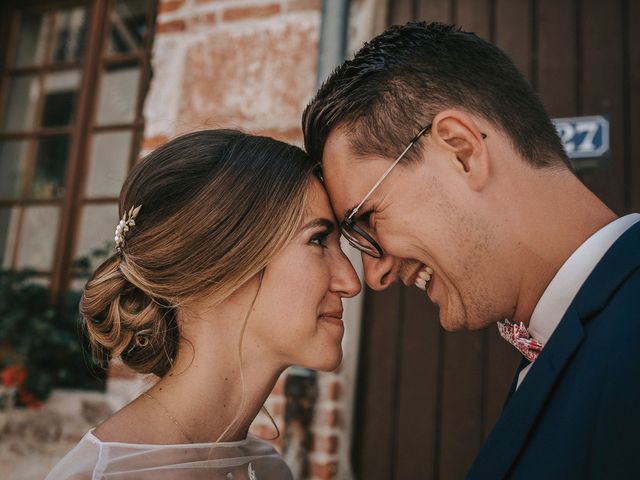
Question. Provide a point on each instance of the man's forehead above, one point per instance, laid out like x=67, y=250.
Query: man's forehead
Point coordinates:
x=342, y=171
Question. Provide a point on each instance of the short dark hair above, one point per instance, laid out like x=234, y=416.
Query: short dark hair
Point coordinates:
x=402, y=78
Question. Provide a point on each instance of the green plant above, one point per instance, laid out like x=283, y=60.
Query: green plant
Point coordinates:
x=43, y=339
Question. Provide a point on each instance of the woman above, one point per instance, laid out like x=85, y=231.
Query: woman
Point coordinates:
x=227, y=270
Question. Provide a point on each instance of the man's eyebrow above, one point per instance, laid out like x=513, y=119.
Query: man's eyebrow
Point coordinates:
x=329, y=225
x=348, y=211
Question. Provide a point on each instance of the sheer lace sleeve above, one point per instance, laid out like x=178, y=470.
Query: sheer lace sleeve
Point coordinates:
x=249, y=459
x=79, y=463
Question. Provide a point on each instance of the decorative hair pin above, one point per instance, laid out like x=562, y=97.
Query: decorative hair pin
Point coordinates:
x=127, y=221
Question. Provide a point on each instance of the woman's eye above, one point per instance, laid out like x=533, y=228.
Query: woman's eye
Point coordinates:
x=320, y=240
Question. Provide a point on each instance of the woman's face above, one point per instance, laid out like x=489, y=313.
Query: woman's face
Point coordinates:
x=298, y=312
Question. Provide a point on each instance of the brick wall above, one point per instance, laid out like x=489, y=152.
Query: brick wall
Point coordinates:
x=232, y=63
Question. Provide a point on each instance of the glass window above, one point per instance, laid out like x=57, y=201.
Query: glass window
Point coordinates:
x=32, y=38
x=13, y=159
x=22, y=99
x=128, y=24
x=97, y=224
x=108, y=163
x=60, y=95
x=8, y=229
x=50, y=168
x=54, y=169
x=69, y=34
x=38, y=237
x=118, y=94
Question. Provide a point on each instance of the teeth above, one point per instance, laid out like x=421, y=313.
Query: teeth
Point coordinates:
x=424, y=276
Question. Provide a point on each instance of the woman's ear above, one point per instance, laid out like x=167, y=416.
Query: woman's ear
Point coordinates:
x=458, y=133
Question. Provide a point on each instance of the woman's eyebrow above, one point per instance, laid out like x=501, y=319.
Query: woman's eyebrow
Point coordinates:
x=329, y=225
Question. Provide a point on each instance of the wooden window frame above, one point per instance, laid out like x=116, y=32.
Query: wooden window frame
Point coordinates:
x=83, y=127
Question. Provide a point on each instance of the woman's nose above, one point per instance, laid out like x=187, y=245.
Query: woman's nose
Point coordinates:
x=345, y=280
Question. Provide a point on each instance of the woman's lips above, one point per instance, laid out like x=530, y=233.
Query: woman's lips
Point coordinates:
x=334, y=318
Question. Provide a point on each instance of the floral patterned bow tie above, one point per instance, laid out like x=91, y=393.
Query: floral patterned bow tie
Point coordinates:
x=519, y=337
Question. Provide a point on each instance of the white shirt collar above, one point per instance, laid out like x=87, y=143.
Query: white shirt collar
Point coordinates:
x=564, y=287
x=561, y=291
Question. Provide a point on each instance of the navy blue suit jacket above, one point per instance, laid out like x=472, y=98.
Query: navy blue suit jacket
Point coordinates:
x=577, y=413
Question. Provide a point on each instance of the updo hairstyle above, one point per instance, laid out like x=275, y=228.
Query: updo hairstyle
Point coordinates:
x=217, y=206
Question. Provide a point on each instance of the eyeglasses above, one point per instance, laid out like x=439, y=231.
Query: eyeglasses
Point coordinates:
x=356, y=236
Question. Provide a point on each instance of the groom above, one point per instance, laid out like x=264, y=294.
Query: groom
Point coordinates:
x=446, y=172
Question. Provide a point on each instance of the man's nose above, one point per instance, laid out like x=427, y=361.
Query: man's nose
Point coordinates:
x=379, y=273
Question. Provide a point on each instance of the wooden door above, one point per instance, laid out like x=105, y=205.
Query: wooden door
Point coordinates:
x=427, y=398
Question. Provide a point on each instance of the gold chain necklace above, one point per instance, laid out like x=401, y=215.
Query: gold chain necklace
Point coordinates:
x=173, y=419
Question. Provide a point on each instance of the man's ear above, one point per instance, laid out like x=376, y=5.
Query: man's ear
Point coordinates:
x=458, y=132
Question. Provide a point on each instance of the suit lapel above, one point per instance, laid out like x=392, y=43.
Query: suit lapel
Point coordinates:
x=514, y=384
x=621, y=261
x=523, y=407
x=509, y=434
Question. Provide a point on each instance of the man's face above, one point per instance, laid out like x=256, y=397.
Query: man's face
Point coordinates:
x=422, y=215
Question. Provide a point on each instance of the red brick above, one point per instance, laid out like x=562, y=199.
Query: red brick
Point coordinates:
x=334, y=391
x=263, y=431
x=120, y=370
x=292, y=135
x=255, y=80
x=245, y=13
x=151, y=143
x=331, y=418
x=206, y=19
x=303, y=5
x=170, y=5
x=326, y=444
x=169, y=27
x=277, y=410
x=323, y=471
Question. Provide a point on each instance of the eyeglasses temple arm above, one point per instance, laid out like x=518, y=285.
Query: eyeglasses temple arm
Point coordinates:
x=384, y=175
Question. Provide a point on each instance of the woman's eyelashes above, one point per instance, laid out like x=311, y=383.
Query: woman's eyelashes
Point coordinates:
x=320, y=238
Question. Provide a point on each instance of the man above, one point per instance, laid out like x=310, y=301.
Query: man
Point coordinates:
x=446, y=172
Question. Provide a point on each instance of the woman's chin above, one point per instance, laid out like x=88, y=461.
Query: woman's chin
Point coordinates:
x=328, y=363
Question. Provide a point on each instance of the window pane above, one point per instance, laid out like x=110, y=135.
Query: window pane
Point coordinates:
x=13, y=158
x=97, y=224
x=51, y=167
x=8, y=229
x=21, y=102
x=38, y=237
x=32, y=38
x=69, y=35
x=118, y=94
x=128, y=22
x=78, y=284
x=108, y=163
x=60, y=94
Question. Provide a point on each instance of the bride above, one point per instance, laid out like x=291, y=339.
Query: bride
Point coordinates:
x=227, y=270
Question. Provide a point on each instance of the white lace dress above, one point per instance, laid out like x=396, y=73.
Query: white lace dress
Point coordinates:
x=93, y=459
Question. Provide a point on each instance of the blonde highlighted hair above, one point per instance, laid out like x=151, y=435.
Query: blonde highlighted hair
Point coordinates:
x=217, y=206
